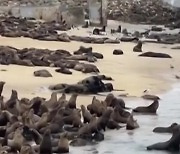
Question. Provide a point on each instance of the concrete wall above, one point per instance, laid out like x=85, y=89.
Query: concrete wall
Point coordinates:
x=74, y=15
x=97, y=12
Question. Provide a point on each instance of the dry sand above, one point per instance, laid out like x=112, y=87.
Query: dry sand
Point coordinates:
x=132, y=73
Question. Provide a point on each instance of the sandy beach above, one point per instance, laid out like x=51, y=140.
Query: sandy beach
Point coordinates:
x=130, y=73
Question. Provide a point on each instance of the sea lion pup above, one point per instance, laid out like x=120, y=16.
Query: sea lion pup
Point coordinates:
x=1, y=86
x=149, y=109
x=171, y=145
x=63, y=144
x=168, y=129
x=72, y=101
x=86, y=114
x=138, y=47
x=46, y=144
x=104, y=119
x=131, y=123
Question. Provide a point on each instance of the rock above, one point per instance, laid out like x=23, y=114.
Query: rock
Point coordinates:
x=117, y=52
x=155, y=55
x=42, y=73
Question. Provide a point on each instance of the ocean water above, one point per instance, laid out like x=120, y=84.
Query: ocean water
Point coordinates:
x=136, y=141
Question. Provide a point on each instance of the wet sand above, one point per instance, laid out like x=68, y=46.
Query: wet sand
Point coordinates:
x=130, y=73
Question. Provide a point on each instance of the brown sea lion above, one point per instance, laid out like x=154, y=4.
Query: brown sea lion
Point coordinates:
x=63, y=144
x=155, y=55
x=148, y=109
x=131, y=123
x=168, y=129
x=45, y=145
x=1, y=86
x=72, y=101
x=52, y=102
x=104, y=119
x=86, y=114
x=171, y=145
x=63, y=71
x=117, y=116
x=27, y=149
x=113, y=124
x=138, y=47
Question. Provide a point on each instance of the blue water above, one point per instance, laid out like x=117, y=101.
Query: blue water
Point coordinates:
x=136, y=141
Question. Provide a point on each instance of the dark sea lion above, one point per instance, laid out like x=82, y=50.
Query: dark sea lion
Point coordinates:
x=168, y=129
x=150, y=97
x=63, y=71
x=104, y=119
x=98, y=136
x=131, y=123
x=1, y=86
x=58, y=86
x=148, y=109
x=155, y=55
x=113, y=124
x=116, y=116
x=117, y=52
x=72, y=101
x=171, y=145
x=78, y=142
x=45, y=146
x=86, y=25
x=138, y=47
x=98, y=55
x=129, y=39
x=42, y=73
x=86, y=114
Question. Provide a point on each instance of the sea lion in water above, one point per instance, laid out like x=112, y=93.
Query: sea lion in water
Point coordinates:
x=171, y=145
x=138, y=47
x=168, y=129
x=148, y=109
x=1, y=86
x=45, y=146
x=86, y=114
x=63, y=144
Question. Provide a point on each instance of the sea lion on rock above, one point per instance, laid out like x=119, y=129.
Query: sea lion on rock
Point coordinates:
x=171, y=145
x=42, y=73
x=152, y=108
x=138, y=47
x=155, y=55
x=117, y=52
x=168, y=129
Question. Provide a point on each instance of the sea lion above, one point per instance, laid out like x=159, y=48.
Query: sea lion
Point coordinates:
x=131, y=123
x=113, y=124
x=52, y=102
x=63, y=70
x=155, y=55
x=63, y=145
x=45, y=145
x=26, y=149
x=148, y=109
x=118, y=115
x=86, y=25
x=72, y=101
x=138, y=47
x=150, y=97
x=42, y=73
x=86, y=114
x=104, y=119
x=1, y=86
x=171, y=145
x=118, y=52
x=168, y=129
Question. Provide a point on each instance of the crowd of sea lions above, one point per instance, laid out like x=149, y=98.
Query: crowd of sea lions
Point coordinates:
x=38, y=125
